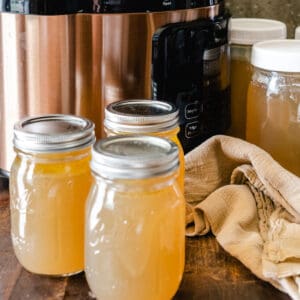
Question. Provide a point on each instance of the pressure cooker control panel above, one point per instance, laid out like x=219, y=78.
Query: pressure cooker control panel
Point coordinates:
x=190, y=69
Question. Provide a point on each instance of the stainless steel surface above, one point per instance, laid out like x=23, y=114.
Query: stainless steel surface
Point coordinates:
x=113, y=57
x=37, y=71
x=76, y=64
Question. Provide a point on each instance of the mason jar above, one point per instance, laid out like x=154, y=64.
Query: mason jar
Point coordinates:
x=147, y=117
x=243, y=33
x=297, y=33
x=135, y=220
x=49, y=182
x=273, y=110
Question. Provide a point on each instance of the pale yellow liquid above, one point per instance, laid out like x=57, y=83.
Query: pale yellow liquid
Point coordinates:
x=273, y=123
x=47, y=212
x=134, y=242
x=240, y=79
x=171, y=135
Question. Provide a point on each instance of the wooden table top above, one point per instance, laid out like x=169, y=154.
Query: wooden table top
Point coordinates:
x=210, y=273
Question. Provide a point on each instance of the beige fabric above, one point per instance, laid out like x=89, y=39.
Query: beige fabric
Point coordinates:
x=250, y=203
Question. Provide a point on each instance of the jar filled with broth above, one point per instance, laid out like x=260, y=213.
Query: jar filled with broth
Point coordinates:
x=135, y=220
x=244, y=32
x=49, y=183
x=297, y=33
x=147, y=117
x=273, y=110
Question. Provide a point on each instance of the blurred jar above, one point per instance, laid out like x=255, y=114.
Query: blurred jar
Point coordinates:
x=147, y=117
x=49, y=183
x=135, y=220
x=273, y=108
x=244, y=32
x=297, y=33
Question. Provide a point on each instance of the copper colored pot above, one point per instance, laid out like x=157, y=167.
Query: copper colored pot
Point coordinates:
x=76, y=63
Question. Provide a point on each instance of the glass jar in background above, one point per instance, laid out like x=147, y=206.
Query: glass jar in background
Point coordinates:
x=243, y=33
x=147, y=117
x=297, y=33
x=49, y=182
x=273, y=104
x=135, y=220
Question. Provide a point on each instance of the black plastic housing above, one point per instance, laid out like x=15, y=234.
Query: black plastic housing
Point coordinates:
x=57, y=7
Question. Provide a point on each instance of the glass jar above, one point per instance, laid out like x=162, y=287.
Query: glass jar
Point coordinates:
x=148, y=117
x=297, y=33
x=49, y=183
x=273, y=110
x=244, y=32
x=135, y=220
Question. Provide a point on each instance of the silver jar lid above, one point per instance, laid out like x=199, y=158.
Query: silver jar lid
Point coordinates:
x=53, y=133
x=134, y=157
x=141, y=116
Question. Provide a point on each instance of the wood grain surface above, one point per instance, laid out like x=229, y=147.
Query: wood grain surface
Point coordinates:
x=210, y=273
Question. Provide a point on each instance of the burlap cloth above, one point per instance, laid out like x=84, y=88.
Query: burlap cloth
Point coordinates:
x=250, y=203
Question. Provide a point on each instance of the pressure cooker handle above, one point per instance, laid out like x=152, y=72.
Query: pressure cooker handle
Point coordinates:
x=4, y=180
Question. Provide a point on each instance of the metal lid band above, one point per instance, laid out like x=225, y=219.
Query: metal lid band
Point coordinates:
x=140, y=115
x=134, y=157
x=53, y=133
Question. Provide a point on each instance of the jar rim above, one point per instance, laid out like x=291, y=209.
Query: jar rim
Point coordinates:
x=53, y=133
x=141, y=115
x=134, y=157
